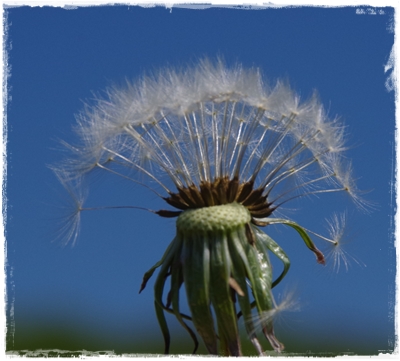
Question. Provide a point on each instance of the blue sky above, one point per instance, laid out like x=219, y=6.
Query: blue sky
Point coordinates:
x=86, y=297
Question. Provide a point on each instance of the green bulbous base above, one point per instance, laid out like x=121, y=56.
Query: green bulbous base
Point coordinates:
x=216, y=218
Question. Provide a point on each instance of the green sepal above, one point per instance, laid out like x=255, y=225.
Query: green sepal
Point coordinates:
x=196, y=276
x=159, y=290
x=163, y=325
x=168, y=253
x=259, y=273
x=239, y=274
x=303, y=234
x=221, y=295
x=263, y=240
x=176, y=283
x=159, y=306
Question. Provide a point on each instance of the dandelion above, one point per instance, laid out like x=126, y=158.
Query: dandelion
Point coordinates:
x=225, y=152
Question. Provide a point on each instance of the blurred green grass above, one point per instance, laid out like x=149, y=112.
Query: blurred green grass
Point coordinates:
x=75, y=338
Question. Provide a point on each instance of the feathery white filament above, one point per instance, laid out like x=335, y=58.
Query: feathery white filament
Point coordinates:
x=184, y=128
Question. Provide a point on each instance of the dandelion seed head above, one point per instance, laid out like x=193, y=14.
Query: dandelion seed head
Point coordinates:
x=226, y=151
x=177, y=94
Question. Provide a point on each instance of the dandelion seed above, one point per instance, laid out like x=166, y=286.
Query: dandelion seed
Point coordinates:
x=225, y=153
x=70, y=226
x=335, y=253
x=288, y=303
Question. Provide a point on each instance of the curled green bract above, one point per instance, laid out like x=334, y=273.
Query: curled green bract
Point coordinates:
x=223, y=261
